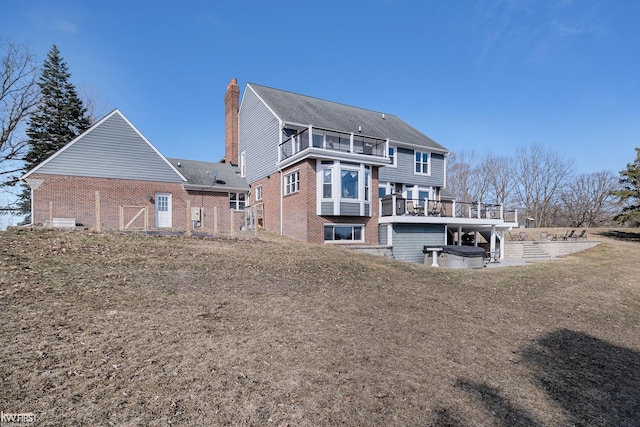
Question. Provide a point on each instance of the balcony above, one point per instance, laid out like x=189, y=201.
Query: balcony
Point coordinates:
x=441, y=211
x=329, y=144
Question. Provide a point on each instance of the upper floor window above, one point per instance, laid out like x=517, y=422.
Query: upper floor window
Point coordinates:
x=422, y=163
x=237, y=201
x=259, y=192
x=326, y=183
x=392, y=156
x=349, y=183
x=292, y=182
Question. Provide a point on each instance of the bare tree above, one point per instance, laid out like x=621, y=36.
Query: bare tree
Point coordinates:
x=498, y=174
x=19, y=94
x=462, y=176
x=540, y=175
x=587, y=200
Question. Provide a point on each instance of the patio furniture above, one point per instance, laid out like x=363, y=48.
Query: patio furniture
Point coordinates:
x=544, y=235
x=523, y=235
x=582, y=235
x=569, y=235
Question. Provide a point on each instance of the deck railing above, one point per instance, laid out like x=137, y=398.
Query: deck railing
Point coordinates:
x=333, y=140
x=395, y=205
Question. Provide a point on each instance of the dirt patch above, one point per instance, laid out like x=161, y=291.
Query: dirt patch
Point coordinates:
x=102, y=329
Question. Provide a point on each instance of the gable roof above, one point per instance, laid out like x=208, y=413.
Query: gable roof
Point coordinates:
x=210, y=176
x=304, y=110
x=111, y=148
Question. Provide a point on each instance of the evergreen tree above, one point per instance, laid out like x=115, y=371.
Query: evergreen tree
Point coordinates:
x=58, y=119
x=630, y=191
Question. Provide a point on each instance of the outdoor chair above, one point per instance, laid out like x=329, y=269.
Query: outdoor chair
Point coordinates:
x=582, y=235
x=410, y=208
x=513, y=237
x=523, y=235
x=544, y=235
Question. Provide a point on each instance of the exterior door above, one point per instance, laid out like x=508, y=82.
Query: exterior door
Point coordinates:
x=163, y=210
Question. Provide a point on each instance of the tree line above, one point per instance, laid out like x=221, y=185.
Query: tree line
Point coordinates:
x=41, y=111
x=544, y=188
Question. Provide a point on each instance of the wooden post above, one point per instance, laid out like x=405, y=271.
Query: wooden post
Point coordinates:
x=188, y=217
x=231, y=221
x=215, y=220
x=51, y=214
x=121, y=219
x=98, y=221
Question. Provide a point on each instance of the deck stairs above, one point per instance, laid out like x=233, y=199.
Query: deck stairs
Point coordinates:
x=530, y=250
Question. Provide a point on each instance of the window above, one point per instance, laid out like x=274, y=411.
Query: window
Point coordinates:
x=344, y=232
x=292, y=183
x=326, y=183
x=422, y=163
x=367, y=186
x=392, y=156
x=259, y=192
x=243, y=164
x=237, y=201
x=349, y=184
x=385, y=188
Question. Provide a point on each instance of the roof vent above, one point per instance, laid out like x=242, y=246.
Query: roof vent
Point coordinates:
x=359, y=128
x=179, y=164
x=382, y=116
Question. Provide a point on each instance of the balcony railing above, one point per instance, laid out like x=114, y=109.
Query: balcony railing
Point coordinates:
x=334, y=141
x=394, y=205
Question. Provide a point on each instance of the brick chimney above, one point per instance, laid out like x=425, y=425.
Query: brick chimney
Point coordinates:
x=231, y=99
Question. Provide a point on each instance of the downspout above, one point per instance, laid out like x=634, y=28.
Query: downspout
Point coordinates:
x=281, y=201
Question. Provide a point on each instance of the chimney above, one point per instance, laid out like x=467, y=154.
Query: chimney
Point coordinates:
x=231, y=99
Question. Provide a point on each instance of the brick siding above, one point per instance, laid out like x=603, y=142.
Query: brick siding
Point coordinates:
x=75, y=197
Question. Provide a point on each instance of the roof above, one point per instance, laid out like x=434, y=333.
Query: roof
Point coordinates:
x=210, y=176
x=305, y=110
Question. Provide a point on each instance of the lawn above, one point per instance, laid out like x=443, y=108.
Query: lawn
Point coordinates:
x=134, y=330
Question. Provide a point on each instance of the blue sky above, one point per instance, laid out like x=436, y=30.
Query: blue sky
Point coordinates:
x=486, y=75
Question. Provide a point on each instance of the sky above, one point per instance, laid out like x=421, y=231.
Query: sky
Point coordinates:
x=488, y=76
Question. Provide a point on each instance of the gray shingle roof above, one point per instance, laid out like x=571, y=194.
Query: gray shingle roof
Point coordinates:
x=294, y=108
x=200, y=175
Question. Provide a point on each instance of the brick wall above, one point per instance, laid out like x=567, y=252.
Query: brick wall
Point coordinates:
x=271, y=201
x=300, y=220
x=75, y=197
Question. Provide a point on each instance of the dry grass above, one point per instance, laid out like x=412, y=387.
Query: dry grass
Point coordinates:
x=146, y=331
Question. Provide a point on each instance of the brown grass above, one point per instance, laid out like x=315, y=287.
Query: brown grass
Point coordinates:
x=143, y=331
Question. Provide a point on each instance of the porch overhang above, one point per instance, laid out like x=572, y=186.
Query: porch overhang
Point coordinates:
x=324, y=154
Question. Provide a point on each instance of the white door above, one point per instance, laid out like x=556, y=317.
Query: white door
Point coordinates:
x=163, y=210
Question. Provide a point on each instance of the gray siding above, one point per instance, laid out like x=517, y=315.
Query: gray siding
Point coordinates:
x=349, y=209
x=382, y=234
x=111, y=149
x=259, y=137
x=410, y=239
x=326, y=208
x=404, y=172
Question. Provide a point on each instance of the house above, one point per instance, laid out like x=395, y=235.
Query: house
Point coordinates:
x=306, y=168
x=112, y=178
x=325, y=172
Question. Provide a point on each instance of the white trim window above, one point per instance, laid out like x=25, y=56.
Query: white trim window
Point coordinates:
x=327, y=183
x=385, y=188
x=259, y=192
x=422, y=162
x=292, y=182
x=393, y=156
x=237, y=201
x=344, y=233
